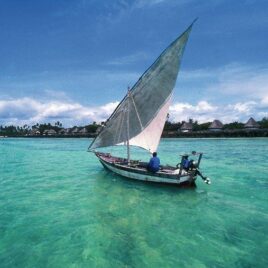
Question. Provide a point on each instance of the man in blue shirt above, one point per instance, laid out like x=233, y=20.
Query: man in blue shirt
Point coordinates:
x=154, y=163
x=186, y=163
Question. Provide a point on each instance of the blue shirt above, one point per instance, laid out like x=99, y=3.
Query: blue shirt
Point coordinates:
x=154, y=163
x=186, y=163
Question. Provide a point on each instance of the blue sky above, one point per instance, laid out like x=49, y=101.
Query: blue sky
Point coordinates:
x=73, y=60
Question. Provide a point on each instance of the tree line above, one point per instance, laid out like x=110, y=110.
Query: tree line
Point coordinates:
x=174, y=126
x=25, y=130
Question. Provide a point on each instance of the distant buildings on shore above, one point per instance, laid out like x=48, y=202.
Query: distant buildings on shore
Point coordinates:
x=76, y=131
x=217, y=126
x=186, y=127
x=171, y=129
x=251, y=124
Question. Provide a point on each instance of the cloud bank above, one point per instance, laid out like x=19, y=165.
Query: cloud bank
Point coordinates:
x=204, y=111
x=31, y=111
x=230, y=93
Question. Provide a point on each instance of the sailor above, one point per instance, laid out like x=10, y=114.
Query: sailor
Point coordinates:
x=186, y=163
x=189, y=164
x=154, y=163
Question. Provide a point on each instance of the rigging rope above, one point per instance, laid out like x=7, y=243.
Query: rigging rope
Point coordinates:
x=139, y=119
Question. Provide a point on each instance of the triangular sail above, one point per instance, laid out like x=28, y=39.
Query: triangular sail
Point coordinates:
x=146, y=105
x=149, y=138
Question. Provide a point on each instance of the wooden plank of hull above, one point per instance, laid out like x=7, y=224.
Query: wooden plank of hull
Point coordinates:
x=149, y=177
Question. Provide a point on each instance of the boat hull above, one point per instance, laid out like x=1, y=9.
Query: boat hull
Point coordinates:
x=144, y=175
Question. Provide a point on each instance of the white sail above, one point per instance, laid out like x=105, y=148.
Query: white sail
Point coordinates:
x=149, y=138
x=145, y=107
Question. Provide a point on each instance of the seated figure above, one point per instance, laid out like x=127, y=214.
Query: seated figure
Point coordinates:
x=154, y=163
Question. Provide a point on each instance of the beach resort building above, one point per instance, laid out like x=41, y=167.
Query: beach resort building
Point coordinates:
x=216, y=125
x=61, y=132
x=251, y=124
x=49, y=132
x=186, y=127
x=75, y=131
x=34, y=132
x=83, y=131
x=64, y=131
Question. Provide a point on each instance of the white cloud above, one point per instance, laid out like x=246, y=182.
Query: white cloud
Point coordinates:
x=228, y=82
x=245, y=108
x=31, y=111
x=236, y=91
x=229, y=93
x=204, y=111
x=264, y=102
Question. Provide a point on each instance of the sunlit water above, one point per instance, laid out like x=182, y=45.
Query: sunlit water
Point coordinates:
x=60, y=208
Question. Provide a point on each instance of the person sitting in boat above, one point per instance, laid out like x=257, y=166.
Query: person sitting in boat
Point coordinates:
x=186, y=163
x=189, y=164
x=154, y=163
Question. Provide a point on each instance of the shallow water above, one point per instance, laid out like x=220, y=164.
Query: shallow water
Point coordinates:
x=60, y=208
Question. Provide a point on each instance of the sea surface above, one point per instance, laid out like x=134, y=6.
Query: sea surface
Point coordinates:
x=60, y=208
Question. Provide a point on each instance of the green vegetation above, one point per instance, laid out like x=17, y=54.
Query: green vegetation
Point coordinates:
x=171, y=129
x=92, y=128
x=45, y=129
x=234, y=125
x=174, y=126
x=197, y=130
x=264, y=122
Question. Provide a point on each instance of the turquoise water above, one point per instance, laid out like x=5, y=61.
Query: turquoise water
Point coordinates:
x=60, y=208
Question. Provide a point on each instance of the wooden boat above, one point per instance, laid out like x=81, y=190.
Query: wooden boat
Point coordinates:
x=139, y=120
x=137, y=170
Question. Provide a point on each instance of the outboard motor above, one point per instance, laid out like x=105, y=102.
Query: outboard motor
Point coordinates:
x=194, y=166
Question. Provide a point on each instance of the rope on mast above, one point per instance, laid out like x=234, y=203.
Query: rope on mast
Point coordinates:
x=137, y=113
x=128, y=151
x=121, y=125
x=139, y=119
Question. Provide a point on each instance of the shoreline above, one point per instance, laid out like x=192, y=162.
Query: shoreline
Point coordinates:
x=260, y=133
x=241, y=133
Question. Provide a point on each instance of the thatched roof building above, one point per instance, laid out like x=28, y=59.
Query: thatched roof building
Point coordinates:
x=186, y=127
x=34, y=132
x=75, y=131
x=50, y=132
x=64, y=131
x=216, y=125
x=61, y=131
x=83, y=131
x=251, y=124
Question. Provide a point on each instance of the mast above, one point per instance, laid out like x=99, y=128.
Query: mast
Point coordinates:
x=128, y=147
